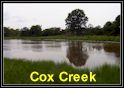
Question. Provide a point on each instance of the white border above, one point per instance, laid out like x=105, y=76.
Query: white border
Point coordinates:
x=63, y=85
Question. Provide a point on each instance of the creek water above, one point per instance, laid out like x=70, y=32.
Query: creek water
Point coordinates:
x=75, y=53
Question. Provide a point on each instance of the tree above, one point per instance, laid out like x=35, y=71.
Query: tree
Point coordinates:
x=112, y=28
x=17, y=32
x=98, y=30
x=6, y=31
x=107, y=28
x=76, y=21
x=51, y=31
x=116, y=26
x=24, y=31
x=10, y=32
x=35, y=30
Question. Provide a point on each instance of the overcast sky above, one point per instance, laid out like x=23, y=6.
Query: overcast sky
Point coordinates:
x=19, y=15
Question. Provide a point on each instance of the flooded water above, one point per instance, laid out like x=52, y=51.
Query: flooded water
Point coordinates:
x=75, y=53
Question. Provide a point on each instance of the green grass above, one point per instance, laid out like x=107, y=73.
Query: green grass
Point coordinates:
x=93, y=38
x=18, y=72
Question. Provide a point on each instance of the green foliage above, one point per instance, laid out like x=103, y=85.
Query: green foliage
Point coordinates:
x=76, y=25
x=18, y=72
x=25, y=31
x=8, y=32
x=75, y=21
x=112, y=28
x=63, y=37
x=35, y=30
x=93, y=31
x=51, y=31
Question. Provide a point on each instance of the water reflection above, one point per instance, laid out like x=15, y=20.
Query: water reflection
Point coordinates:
x=6, y=46
x=36, y=47
x=32, y=45
x=112, y=48
x=31, y=42
x=97, y=47
x=93, y=46
x=76, y=54
x=52, y=45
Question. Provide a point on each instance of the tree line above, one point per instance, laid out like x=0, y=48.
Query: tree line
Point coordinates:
x=75, y=25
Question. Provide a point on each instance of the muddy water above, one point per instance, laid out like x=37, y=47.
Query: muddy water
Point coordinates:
x=75, y=53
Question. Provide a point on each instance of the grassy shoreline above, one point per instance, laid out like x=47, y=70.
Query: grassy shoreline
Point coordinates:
x=92, y=38
x=17, y=71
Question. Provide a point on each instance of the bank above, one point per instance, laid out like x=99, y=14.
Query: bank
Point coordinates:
x=62, y=37
x=17, y=71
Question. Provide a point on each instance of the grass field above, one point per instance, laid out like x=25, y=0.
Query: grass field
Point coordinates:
x=18, y=72
x=93, y=38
